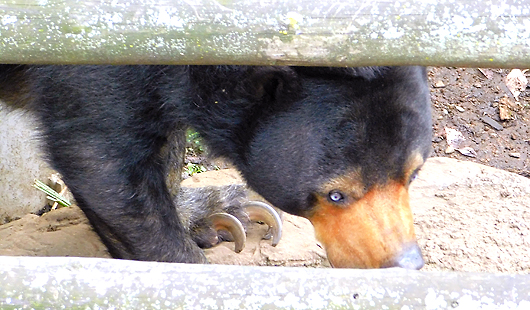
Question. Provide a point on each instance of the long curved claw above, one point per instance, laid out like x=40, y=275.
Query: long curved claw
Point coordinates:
x=225, y=221
x=259, y=211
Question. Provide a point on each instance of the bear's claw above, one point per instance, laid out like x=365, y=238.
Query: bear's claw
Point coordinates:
x=257, y=211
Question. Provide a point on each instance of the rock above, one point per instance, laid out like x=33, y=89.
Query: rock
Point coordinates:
x=439, y=84
x=505, y=100
x=488, y=73
x=488, y=120
x=449, y=150
x=217, y=177
x=62, y=232
x=20, y=164
x=516, y=82
x=437, y=139
x=486, y=207
x=467, y=151
x=505, y=113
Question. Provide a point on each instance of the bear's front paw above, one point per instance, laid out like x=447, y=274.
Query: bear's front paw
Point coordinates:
x=224, y=226
x=213, y=214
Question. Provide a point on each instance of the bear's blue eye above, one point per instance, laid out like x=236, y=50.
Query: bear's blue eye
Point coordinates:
x=336, y=196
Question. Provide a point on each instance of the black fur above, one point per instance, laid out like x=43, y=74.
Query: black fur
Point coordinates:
x=114, y=131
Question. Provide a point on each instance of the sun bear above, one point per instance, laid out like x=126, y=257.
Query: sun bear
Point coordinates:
x=338, y=146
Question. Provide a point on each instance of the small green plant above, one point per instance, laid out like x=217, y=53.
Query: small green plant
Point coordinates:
x=52, y=194
x=194, y=143
x=192, y=169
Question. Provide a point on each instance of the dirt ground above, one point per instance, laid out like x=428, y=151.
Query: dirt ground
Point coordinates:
x=467, y=217
x=463, y=98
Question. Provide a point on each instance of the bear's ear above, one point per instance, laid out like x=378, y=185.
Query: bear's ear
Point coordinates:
x=274, y=83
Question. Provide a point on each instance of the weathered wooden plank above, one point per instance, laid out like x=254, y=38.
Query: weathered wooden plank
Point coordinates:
x=93, y=283
x=272, y=32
